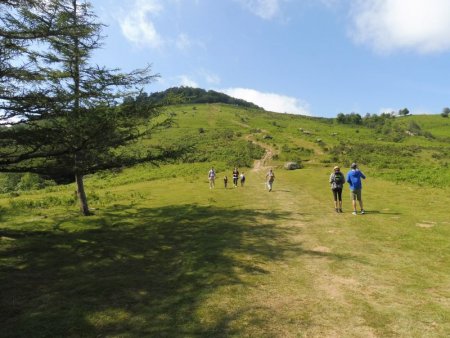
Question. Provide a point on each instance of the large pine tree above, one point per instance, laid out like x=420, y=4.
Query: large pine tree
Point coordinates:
x=62, y=116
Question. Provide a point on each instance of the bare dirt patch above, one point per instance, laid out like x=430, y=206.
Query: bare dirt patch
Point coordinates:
x=322, y=249
x=426, y=224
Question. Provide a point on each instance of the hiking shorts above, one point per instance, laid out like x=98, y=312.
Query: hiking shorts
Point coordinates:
x=355, y=195
x=337, y=194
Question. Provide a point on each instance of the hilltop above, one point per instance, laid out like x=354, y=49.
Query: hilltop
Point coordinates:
x=192, y=95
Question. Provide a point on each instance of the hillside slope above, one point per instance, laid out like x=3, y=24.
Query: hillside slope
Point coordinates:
x=164, y=255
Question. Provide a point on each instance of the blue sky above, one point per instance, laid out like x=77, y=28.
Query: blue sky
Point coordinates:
x=312, y=57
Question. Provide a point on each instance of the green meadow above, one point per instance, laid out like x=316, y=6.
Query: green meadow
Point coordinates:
x=165, y=256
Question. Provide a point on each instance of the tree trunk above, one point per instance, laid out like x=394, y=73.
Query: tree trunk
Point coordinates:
x=82, y=195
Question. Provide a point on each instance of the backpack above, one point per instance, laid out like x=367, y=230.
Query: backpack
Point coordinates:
x=338, y=180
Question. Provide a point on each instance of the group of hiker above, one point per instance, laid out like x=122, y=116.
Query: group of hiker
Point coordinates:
x=337, y=181
x=235, y=175
x=270, y=177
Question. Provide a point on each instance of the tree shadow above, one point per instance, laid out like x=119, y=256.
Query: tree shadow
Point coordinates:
x=133, y=273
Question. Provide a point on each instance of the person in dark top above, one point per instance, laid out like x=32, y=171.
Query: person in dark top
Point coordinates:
x=235, y=177
x=337, y=181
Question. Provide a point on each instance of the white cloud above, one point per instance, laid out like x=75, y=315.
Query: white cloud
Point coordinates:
x=388, y=25
x=270, y=101
x=137, y=25
x=186, y=81
x=183, y=42
x=266, y=9
x=210, y=78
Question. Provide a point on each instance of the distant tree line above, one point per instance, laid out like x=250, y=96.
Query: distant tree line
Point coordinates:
x=189, y=95
x=355, y=118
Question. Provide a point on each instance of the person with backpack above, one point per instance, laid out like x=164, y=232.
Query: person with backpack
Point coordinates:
x=337, y=181
x=235, y=177
x=270, y=177
x=354, y=180
x=212, y=178
x=242, y=179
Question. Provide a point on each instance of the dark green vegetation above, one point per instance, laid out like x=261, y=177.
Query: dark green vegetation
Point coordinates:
x=191, y=95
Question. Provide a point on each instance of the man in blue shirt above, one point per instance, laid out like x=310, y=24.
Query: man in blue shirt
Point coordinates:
x=354, y=180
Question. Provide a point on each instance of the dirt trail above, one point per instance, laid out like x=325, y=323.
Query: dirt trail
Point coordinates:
x=261, y=164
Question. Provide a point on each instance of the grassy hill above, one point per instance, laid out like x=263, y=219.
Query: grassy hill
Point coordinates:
x=164, y=255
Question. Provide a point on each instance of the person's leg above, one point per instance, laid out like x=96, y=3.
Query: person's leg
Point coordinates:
x=340, y=199
x=335, y=196
x=361, y=204
x=354, y=198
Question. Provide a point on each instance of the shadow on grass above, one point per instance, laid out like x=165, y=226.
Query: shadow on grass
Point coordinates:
x=381, y=212
x=133, y=273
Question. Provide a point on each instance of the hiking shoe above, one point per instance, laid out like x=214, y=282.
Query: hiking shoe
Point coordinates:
x=362, y=212
x=340, y=210
x=337, y=210
x=354, y=213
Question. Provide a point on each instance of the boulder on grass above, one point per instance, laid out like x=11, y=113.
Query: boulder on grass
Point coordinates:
x=291, y=166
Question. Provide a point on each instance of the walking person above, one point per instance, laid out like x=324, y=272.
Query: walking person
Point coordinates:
x=242, y=179
x=337, y=181
x=270, y=177
x=354, y=180
x=235, y=177
x=212, y=178
x=225, y=181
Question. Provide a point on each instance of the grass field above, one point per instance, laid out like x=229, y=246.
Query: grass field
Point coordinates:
x=165, y=256
x=169, y=257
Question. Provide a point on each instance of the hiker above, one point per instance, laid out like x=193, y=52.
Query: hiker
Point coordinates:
x=270, y=177
x=354, y=180
x=337, y=181
x=242, y=179
x=212, y=178
x=225, y=181
x=235, y=177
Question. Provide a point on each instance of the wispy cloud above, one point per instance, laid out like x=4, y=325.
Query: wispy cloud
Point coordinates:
x=388, y=25
x=186, y=81
x=270, y=101
x=265, y=9
x=183, y=42
x=137, y=25
x=210, y=78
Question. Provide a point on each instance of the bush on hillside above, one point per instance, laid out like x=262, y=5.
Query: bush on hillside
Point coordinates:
x=14, y=182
